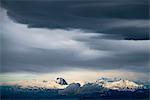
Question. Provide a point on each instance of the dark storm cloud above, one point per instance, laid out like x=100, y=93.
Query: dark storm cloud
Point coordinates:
x=92, y=15
x=67, y=34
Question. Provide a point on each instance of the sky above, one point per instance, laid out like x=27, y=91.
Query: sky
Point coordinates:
x=75, y=39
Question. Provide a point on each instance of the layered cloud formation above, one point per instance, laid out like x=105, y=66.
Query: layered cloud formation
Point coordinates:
x=125, y=19
x=50, y=36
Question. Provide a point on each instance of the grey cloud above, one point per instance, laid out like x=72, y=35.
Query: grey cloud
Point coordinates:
x=59, y=39
x=95, y=15
x=37, y=60
x=22, y=56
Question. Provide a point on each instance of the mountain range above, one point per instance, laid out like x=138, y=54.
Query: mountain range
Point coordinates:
x=102, y=87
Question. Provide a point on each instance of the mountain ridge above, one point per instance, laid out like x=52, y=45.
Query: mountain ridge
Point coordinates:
x=61, y=83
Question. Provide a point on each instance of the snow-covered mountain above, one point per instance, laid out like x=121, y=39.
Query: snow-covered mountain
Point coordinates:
x=59, y=83
x=116, y=84
x=103, y=87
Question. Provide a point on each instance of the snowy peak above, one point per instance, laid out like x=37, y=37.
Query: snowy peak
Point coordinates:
x=42, y=84
x=123, y=85
x=118, y=84
x=60, y=83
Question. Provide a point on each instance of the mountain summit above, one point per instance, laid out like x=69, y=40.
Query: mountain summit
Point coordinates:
x=123, y=85
x=118, y=84
x=61, y=81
